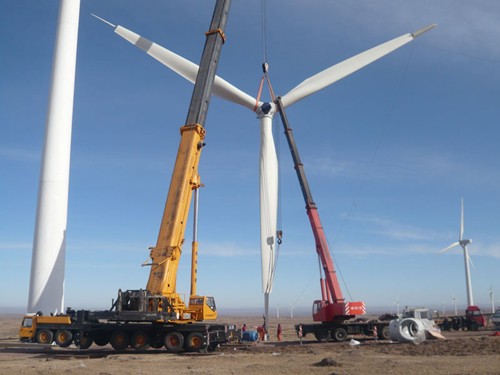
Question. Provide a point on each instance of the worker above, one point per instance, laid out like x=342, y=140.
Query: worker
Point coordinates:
x=278, y=332
x=262, y=333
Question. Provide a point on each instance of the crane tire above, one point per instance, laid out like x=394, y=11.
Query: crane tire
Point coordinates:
x=384, y=332
x=140, y=341
x=101, y=340
x=322, y=335
x=83, y=342
x=194, y=342
x=119, y=340
x=339, y=334
x=174, y=341
x=44, y=336
x=63, y=338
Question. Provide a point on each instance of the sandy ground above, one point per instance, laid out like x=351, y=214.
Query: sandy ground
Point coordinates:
x=461, y=353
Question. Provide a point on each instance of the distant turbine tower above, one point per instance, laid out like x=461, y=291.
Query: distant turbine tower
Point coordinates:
x=492, y=299
x=46, y=292
x=463, y=243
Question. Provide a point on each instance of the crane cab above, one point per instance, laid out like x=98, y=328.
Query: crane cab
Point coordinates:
x=202, y=308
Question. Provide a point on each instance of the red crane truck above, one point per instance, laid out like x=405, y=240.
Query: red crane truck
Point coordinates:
x=333, y=314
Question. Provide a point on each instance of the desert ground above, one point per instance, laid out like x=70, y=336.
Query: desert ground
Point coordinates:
x=461, y=353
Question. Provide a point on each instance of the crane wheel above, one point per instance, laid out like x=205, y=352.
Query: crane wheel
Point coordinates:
x=101, y=340
x=44, y=336
x=140, y=341
x=119, y=340
x=174, y=341
x=194, y=342
x=83, y=342
x=63, y=338
x=322, y=335
x=384, y=333
x=339, y=334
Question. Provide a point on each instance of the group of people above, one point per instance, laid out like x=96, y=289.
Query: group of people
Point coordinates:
x=262, y=331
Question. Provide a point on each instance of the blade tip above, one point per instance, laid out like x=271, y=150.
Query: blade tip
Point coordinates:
x=417, y=33
x=103, y=20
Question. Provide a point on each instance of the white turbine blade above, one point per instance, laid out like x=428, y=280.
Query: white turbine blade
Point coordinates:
x=186, y=68
x=347, y=67
x=471, y=262
x=461, y=221
x=183, y=67
x=449, y=247
x=268, y=202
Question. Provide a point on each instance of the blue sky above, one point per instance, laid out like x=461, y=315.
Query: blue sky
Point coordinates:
x=389, y=151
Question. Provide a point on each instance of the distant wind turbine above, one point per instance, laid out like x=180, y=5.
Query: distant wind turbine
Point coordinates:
x=492, y=299
x=455, y=304
x=265, y=111
x=463, y=243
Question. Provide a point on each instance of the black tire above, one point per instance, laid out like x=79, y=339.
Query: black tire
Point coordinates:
x=140, y=341
x=101, y=340
x=63, y=338
x=339, y=334
x=119, y=340
x=212, y=347
x=322, y=335
x=194, y=342
x=174, y=341
x=44, y=336
x=85, y=342
x=473, y=326
x=384, y=333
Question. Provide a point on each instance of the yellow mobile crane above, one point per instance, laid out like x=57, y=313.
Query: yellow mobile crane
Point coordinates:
x=157, y=316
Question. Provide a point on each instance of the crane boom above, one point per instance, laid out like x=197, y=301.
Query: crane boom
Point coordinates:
x=332, y=305
x=161, y=293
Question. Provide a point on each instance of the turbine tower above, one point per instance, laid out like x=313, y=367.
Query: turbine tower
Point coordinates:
x=463, y=243
x=46, y=292
x=268, y=170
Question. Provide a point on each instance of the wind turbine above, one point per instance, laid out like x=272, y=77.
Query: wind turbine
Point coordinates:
x=492, y=299
x=463, y=243
x=455, y=304
x=46, y=291
x=268, y=170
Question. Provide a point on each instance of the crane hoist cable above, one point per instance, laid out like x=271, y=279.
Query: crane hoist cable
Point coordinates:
x=263, y=14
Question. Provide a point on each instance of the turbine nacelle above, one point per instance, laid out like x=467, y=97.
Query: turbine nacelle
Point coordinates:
x=465, y=242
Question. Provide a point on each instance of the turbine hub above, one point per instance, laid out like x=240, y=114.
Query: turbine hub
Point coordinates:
x=266, y=107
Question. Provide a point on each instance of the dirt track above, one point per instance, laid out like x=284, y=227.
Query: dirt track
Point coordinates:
x=460, y=353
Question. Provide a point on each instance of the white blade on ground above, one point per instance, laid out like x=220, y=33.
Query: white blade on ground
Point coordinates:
x=186, y=68
x=449, y=247
x=347, y=67
x=268, y=202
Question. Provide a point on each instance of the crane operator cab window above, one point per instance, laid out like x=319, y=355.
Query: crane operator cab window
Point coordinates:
x=210, y=302
x=318, y=306
x=28, y=322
